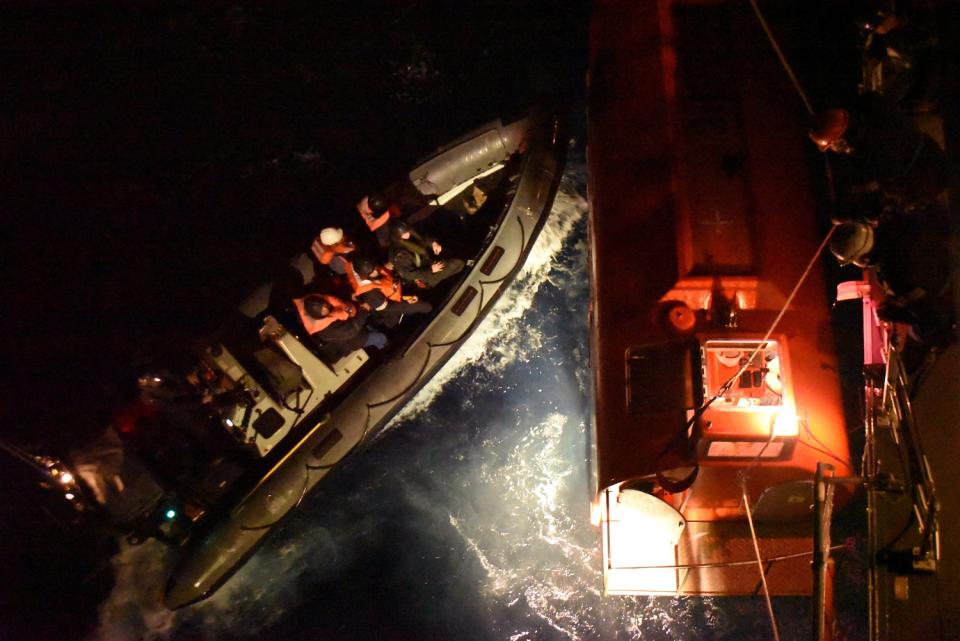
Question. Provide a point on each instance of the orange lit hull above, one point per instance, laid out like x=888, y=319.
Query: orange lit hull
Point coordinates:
x=701, y=202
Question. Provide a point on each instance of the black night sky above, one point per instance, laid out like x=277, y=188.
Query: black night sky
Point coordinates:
x=162, y=159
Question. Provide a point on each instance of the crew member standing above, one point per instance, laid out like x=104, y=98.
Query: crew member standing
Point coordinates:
x=883, y=145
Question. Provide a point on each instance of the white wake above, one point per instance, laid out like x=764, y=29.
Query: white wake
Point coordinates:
x=496, y=341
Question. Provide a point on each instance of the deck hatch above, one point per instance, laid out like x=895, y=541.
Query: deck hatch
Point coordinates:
x=660, y=379
x=717, y=209
x=267, y=424
x=491, y=262
x=464, y=301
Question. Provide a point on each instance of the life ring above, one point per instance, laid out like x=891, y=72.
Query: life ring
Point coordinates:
x=729, y=357
x=772, y=377
x=676, y=485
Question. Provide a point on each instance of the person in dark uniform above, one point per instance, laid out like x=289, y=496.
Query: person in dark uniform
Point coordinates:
x=417, y=260
x=910, y=255
x=338, y=328
x=879, y=143
x=378, y=291
x=905, y=47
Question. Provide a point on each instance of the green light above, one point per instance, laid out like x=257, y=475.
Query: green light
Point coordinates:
x=171, y=514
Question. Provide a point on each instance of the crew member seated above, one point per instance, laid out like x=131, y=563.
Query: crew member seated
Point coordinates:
x=330, y=247
x=337, y=327
x=377, y=290
x=376, y=212
x=415, y=259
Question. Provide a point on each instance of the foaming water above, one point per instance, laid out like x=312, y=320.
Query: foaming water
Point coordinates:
x=497, y=342
x=134, y=609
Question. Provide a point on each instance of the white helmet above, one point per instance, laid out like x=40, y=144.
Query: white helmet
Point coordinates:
x=331, y=236
x=851, y=243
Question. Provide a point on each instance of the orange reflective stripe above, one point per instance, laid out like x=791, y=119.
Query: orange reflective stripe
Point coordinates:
x=373, y=222
x=387, y=285
x=339, y=312
x=329, y=251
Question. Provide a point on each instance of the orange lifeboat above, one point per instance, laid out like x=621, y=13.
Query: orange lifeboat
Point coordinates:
x=702, y=222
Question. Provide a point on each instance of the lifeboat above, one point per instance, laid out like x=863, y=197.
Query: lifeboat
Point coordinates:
x=264, y=414
x=702, y=222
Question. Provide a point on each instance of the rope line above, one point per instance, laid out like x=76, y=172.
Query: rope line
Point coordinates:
x=756, y=549
x=773, y=326
x=755, y=462
x=726, y=564
x=827, y=166
x=783, y=59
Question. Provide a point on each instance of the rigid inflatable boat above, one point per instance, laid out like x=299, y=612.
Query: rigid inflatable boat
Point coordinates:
x=274, y=418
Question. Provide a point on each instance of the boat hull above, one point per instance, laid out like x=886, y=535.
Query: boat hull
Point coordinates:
x=209, y=560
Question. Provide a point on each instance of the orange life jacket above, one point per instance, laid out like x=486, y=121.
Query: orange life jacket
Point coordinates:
x=339, y=311
x=329, y=251
x=384, y=281
x=373, y=221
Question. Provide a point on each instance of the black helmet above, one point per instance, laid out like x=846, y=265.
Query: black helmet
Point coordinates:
x=851, y=243
x=398, y=229
x=377, y=203
x=315, y=307
x=364, y=266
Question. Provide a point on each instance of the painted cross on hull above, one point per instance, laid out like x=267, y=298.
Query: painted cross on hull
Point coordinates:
x=716, y=221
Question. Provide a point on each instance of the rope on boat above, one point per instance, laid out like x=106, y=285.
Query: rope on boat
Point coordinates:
x=829, y=174
x=726, y=386
x=827, y=167
x=727, y=564
x=783, y=59
x=832, y=197
x=773, y=326
x=745, y=474
x=756, y=549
